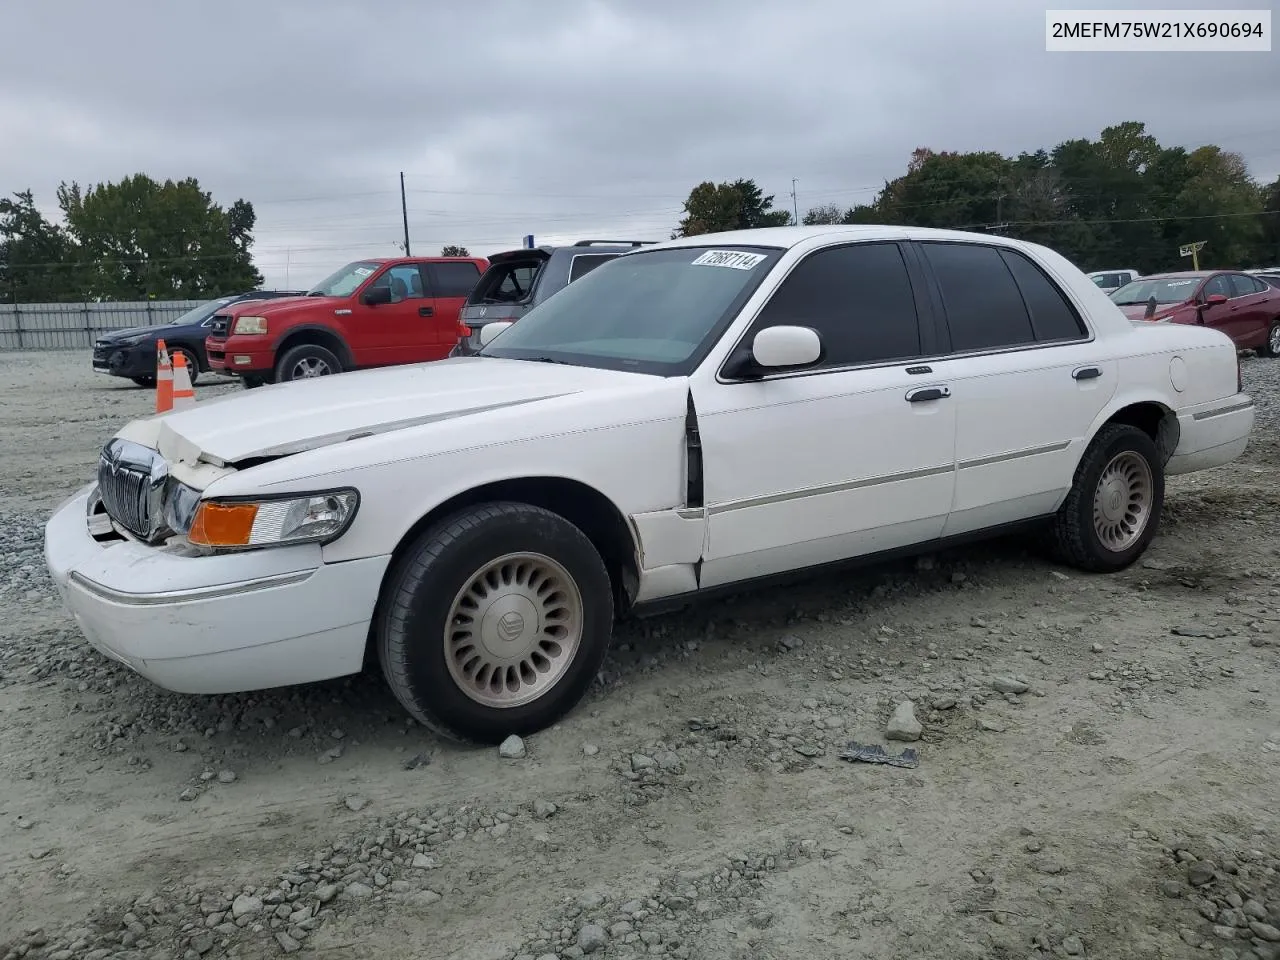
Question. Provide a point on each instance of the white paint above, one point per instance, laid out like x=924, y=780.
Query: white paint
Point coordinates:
x=800, y=467
x=786, y=347
x=490, y=331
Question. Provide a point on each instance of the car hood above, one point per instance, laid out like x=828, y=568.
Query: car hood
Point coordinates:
x=278, y=306
x=287, y=418
x=115, y=336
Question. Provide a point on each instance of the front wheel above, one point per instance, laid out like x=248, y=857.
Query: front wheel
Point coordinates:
x=1113, y=508
x=495, y=621
x=305, y=361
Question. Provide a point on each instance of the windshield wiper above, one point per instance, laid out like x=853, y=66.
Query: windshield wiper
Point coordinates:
x=316, y=293
x=565, y=363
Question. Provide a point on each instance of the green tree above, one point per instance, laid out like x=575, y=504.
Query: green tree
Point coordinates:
x=827, y=213
x=716, y=207
x=453, y=250
x=34, y=254
x=140, y=238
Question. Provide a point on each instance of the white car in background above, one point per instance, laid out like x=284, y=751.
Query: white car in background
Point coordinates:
x=695, y=416
x=1108, y=281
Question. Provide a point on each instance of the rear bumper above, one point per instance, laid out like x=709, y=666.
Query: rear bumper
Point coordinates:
x=1212, y=434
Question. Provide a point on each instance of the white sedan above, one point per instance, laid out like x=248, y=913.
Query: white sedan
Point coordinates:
x=694, y=416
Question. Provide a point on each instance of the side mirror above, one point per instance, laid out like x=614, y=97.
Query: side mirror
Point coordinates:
x=490, y=330
x=786, y=347
x=1214, y=299
x=376, y=295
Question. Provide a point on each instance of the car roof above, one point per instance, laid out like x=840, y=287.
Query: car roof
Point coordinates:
x=1182, y=275
x=787, y=237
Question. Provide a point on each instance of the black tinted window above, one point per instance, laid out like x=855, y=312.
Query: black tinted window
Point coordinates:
x=984, y=307
x=1052, y=316
x=453, y=279
x=584, y=263
x=859, y=300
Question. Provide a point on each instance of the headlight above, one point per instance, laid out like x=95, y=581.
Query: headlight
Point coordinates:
x=245, y=523
x=251, y=326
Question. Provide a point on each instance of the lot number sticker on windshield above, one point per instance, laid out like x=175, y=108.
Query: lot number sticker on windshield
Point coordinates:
x=362, y=271
x=734, y=259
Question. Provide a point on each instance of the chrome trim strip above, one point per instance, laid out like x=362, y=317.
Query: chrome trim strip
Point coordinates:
x=1015, y=455
x=690, y=513
x=187, y=596
x=827, y=488
x=1222, y=411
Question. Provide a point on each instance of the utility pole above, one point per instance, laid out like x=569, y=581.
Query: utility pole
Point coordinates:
x=404, y=212
x=795, y=208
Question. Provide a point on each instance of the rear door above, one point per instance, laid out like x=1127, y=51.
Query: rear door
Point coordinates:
x=1251, y=310
x=1027, y=381
x=451, y=282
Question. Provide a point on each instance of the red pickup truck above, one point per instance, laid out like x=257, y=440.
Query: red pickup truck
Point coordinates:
x=371, y=313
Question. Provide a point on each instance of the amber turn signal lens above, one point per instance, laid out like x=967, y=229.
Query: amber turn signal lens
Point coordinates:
x=223, y=524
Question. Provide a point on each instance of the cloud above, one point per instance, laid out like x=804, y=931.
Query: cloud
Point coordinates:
x=579, y=118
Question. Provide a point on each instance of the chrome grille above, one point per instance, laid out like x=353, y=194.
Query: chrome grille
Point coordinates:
x=131, y=482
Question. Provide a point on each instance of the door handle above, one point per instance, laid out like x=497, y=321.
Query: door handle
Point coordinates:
x=1086, y=373
x=925, y=394
x=426, y=311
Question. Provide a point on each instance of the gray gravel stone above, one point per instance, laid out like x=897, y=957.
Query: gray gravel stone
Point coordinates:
x=1009, y=685
x=512, y=748
x=592, y=937
x=903, y=724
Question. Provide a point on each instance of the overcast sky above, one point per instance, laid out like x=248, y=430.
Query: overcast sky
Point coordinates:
x=565, y=119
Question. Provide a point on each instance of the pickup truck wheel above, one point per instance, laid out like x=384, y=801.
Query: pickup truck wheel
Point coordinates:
x=1113, y=508
x=495, y=622
x=305, y=361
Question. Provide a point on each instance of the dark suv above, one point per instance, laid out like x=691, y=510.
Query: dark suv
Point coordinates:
x=132, y=353
x=519, y=280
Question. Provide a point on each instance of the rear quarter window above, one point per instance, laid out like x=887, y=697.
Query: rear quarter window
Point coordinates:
x=584, y=263
x=453, y=279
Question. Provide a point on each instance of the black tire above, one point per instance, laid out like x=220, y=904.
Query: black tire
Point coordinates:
x=286, y=365
x=1268, y=350
x=1076, y=538
x=420, y=593
x=248, y=381
x=144, y=381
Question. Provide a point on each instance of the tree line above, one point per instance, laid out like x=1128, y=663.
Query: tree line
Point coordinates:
x=130, y=240
x=1122, y=200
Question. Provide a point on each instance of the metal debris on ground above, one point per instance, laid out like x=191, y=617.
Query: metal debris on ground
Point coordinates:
x=874, y=753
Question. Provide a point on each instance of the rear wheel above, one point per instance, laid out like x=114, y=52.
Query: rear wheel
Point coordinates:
x=1272, y=346
x=1113, y=509
x=305, y=361
x=495, y=622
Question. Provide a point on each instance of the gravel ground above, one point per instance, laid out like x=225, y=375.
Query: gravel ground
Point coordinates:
x=1098, y=759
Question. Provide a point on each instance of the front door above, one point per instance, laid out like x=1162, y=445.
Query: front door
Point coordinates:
x=1250, y=311
x=402, y=331
x=849, y=458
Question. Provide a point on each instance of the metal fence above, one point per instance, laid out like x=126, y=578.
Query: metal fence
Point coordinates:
x=74, y=326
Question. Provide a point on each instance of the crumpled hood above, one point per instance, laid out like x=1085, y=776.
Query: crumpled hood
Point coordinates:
x=115, y=336
x=286, y=418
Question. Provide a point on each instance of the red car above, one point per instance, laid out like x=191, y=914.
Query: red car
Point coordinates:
x=1242, y=306
x=371, y=313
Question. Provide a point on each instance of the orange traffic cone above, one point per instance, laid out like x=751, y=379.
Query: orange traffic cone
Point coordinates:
x=184, y=394
x=164, y=379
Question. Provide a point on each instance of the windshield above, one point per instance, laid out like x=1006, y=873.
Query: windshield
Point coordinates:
x=202, y=312
x=1171, y=290
x=655, y=312
x=344, y=282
